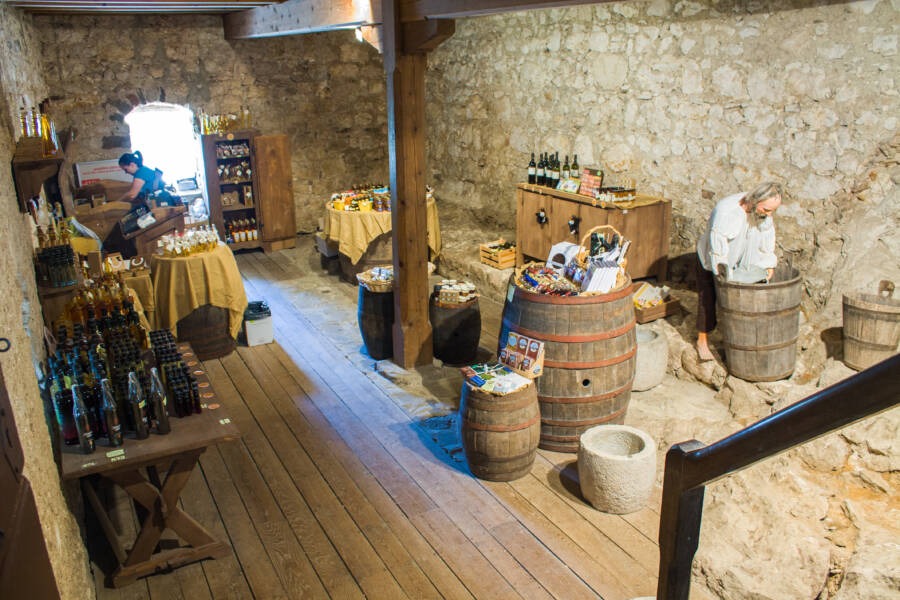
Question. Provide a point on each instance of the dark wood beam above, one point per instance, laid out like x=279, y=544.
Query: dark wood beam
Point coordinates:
x=424, y=36
x=301, y=16
x=417, y=10
x=406, y=152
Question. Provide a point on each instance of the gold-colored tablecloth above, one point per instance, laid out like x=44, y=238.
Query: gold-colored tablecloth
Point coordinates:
x=184, y=284
x=354, y=230
x=142, y=286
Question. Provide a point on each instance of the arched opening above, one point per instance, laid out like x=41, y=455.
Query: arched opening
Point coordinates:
x=165, y=135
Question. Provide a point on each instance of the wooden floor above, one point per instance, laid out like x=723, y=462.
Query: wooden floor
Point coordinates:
x=337, y=491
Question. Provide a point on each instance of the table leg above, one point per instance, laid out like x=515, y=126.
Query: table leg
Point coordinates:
x=163, y=512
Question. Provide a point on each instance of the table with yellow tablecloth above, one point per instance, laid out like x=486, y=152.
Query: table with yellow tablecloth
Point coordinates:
x=184, y=284
x=354, y=230
x=139, y=282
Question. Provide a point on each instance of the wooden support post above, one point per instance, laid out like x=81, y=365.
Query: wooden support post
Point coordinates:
x=406, y=151
x=679, y=531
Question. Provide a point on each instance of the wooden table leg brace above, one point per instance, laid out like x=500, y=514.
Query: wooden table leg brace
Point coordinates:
x=163, y=513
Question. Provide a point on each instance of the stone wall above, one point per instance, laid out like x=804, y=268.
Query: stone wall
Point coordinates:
x=20, y=315
x=325, y=91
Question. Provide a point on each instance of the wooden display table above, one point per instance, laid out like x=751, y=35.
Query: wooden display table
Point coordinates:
x=355, y=231
x=200, y=282
x=135, y=467
x=645, y=221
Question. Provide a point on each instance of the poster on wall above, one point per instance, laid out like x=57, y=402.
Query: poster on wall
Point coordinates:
x=97, y=170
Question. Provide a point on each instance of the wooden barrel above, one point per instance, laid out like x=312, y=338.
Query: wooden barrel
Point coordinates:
x=206, y=330
x=499, y=433
x=760, y=323
x=871, y=327
x=589, y=358
x=376, y=322
x=456, y=329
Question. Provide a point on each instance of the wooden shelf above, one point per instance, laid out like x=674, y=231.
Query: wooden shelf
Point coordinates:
x=245, y=245
x=241, y=182
x=237, y=208
x=241, y=156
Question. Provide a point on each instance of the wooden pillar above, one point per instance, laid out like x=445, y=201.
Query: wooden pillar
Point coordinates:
x=406, y=152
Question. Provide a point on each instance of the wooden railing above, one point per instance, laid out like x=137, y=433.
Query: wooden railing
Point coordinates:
x=690, y=466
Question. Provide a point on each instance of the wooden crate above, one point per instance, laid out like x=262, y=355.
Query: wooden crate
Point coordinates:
x=497, y=258
x=668, y=308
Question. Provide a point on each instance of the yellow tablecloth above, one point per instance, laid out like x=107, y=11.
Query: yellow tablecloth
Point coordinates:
x=354, y=230
x=184, y=284
x=141, y=285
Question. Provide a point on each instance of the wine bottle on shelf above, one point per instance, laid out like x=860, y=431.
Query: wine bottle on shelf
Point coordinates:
x=532, y=170
x=565, y=169
x=110, y=414
x=137, y=406
x=541, y=170
x=574, y=171
x=82, y=422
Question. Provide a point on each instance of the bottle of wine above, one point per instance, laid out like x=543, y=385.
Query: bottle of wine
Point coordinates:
x=574, y=171
x=539, y=178
x=82, y=422
x=110, y=414
x=158, y=403
x=565, y=169
x=555, y=182
x=137, y=406
x=532, y=170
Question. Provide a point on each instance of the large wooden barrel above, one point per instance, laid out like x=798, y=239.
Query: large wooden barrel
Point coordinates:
x=376, y=322
x=760, y=323
x=206, y=330
x=499, y=433
x=455, y=329
x=871, y=327
x=589, y=358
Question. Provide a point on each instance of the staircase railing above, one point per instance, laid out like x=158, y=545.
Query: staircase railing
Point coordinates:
x=690, y=466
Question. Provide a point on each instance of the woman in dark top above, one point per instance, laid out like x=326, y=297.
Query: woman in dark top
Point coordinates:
x=146, y=180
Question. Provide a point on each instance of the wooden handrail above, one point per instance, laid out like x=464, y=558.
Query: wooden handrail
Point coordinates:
x=690, y=466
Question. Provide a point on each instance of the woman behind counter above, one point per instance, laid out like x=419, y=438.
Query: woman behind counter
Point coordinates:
x=146, y=180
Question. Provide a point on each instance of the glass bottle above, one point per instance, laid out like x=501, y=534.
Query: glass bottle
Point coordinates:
x=532, y=170
x=110, y=414
x=158, y=403
x=565, y=169
x=137, y=406
x=82, y=422
x=574, y=172
x=541, y=170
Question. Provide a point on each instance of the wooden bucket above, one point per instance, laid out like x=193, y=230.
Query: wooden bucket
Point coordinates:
x=871, y=327
x=376, y=322
x=206, y=330
x=499, y=433
x=760, y=324
x=456, y=330
x=589, y=358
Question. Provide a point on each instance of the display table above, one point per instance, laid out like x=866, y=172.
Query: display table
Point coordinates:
x=184, y=284
x=135, y=467
x=354, y=230
x=139, y=282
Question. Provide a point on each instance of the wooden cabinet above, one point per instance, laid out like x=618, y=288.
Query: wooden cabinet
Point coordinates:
x=646, y=223
x=248, y=179
x=32, y=171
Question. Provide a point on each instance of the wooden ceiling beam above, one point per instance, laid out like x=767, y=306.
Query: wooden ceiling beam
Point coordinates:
x=417, y=10
x=301, y=16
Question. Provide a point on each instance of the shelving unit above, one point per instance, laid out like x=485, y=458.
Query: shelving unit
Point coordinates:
x=248, y=177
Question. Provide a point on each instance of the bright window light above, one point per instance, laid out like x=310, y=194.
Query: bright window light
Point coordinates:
x=164, y=134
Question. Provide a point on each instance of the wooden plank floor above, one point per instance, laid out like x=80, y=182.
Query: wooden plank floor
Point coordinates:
x=345, y=484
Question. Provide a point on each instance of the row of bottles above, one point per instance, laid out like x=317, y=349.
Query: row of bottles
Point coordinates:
x=224, y=123
x=55, y=261
x=548, y=171
x=241, y=230
x=238, y=172
x=36, y=123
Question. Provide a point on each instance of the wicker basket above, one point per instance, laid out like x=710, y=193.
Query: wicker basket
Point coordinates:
x=374, y=285
x=584, y=253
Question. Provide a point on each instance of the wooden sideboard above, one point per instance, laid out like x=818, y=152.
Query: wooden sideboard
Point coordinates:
x=645, y=221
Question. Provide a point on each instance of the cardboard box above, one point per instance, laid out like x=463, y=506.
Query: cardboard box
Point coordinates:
x=259, y=331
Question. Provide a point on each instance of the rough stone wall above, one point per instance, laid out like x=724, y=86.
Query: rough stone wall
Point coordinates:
x=20, y=316
x=325, y=91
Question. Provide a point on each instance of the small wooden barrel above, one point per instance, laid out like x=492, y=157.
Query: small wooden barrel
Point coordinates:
x=499, y=433
x=589, y=358
x=376, y=322
x=871, y=327
x=456, y=329
x=206, y=330
x=760, y=325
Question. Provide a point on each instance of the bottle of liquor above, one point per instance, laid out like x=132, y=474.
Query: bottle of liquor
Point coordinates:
x=532, y=170
x=555, y=182
x=137, y=406
x=541, y=171
x=110, y=414
x=575, y=172
x=159, y=403
x=565, y=169
x=82, y=422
